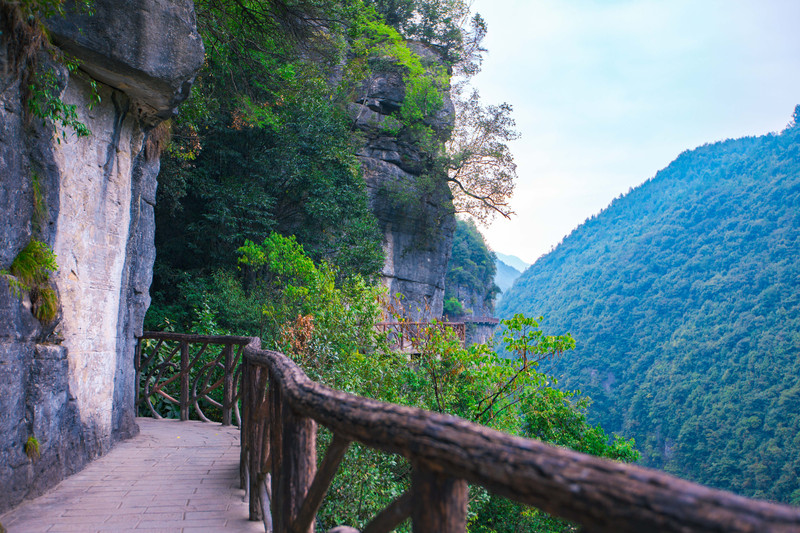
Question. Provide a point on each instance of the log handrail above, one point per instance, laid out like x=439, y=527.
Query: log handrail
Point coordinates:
x=282, y=406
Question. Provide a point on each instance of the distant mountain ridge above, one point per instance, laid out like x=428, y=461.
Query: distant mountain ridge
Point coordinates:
x=506, y=275
x=513, y=261
x=684, y=298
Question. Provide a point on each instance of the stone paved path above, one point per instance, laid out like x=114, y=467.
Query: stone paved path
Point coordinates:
x=173, y=477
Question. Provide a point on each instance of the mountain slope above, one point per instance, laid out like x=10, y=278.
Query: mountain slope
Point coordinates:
x=684, y=298
x=506, y=275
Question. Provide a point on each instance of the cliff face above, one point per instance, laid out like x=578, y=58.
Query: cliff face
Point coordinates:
x=470, y=289
x=70, y=384
x=409, y=197
x=476, y=300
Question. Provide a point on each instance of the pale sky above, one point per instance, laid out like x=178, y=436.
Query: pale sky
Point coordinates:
x=608, y=92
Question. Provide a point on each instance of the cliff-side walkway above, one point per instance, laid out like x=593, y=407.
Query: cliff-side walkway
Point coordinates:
x=173, y=477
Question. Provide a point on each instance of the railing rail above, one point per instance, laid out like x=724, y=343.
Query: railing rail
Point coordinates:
x=282, y=407
x=489, y=320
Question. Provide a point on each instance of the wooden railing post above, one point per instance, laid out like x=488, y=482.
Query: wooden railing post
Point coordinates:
x=227, y=385
x=258, y=443
x=244, y=427
x=439, y=502
x=137, y=365
x=294, y=457
x=321, y=484
x=184, y=380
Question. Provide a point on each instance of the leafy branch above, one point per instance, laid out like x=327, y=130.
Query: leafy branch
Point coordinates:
x=481, y=168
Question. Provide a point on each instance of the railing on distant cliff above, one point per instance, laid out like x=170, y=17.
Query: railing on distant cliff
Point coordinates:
x=479, y=329
x=488, y=320
x=408, y=336
x=281, y=408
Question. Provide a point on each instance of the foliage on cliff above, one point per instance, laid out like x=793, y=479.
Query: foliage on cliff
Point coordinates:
x=29, y=274
x=266, y=144
x=469, y=285
x=479, y=165
x=263, y=145
x=684, y=298
x=23, y=34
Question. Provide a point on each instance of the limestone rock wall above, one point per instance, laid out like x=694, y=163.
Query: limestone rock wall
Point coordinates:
x=478, y=301
x=70, y=384
x=411, y=201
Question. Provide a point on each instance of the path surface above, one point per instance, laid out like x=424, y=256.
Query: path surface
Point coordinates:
x=173, y=477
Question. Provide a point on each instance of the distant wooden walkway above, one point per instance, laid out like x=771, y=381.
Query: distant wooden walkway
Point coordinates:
x=173, y=477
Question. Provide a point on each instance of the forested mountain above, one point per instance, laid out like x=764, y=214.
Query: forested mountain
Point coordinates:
x=684, y=299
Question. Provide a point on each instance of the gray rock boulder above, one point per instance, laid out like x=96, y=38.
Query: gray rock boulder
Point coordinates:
x=149, y=49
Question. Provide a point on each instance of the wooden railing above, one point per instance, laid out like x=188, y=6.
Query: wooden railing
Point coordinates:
x=187, y=365
x=408, y=336
x=488, y=320
x=281, y=408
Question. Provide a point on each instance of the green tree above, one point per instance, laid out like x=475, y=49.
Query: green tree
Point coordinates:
x=328, y=328
x=437, y=23
x=475, y=383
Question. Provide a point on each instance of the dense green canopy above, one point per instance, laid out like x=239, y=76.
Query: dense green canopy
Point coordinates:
x=265, y=143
